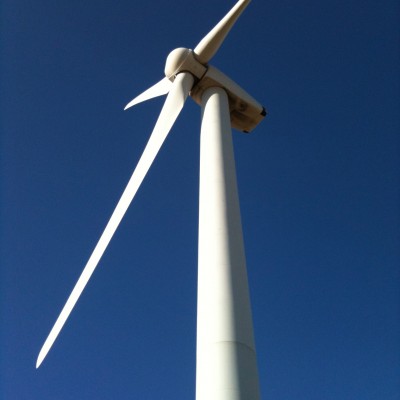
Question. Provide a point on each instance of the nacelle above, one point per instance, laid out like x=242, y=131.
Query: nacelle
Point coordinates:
x=246, y=112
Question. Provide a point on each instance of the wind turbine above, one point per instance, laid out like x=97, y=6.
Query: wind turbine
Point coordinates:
x=226, y=367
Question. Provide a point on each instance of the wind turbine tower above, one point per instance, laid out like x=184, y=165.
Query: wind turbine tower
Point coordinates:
x=226, y=365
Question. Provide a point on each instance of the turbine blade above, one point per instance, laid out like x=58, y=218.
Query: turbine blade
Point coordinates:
x=170, y=111
x=210, y=44
x=156, y=90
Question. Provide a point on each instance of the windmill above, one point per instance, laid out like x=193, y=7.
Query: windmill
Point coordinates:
x=226, y=366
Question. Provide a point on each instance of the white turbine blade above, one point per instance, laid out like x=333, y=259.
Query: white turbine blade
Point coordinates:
x=210, y=44
x=170, y=111
x=156, y=90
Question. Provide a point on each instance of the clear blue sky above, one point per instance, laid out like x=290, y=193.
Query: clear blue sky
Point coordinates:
x=318, y=181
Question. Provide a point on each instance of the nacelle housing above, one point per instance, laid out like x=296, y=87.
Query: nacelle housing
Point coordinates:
x=246, y=112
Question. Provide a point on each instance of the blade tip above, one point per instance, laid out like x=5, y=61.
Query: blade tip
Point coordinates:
x=41, y=357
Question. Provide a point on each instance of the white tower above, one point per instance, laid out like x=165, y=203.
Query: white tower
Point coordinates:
x=226, y=360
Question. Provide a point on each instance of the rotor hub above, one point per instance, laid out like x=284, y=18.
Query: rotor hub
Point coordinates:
x=183, y=60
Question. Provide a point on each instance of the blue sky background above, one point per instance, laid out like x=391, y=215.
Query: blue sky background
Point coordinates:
x=318, y=181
